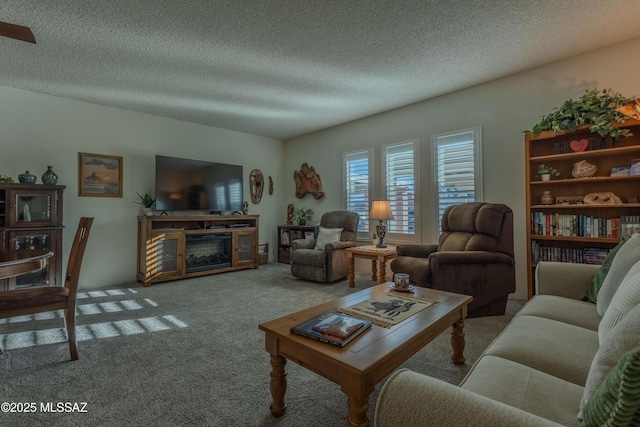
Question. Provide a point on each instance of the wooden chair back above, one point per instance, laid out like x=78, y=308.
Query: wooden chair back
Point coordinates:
x=72, y=276
x=39, y=299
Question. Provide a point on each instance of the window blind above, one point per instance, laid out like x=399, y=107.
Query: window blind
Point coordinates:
x=400, y=172
x=357, y=181
x=457, y=174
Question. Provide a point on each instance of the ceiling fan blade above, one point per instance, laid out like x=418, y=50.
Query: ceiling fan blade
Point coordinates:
x=17, y=32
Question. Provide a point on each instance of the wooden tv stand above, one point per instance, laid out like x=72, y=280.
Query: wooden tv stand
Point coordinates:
x=177, y=247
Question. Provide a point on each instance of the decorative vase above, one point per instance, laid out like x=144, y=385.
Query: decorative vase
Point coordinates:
x=27, y=178
x=49, y=177
x=546, y=198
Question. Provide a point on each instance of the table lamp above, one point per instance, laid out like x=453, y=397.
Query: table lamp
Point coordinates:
x=381, y=210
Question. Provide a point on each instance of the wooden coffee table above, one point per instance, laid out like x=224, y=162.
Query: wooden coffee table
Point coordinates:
x=376, y=255
x=362, y=363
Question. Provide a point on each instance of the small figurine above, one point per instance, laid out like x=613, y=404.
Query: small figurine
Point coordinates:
x=245, y=208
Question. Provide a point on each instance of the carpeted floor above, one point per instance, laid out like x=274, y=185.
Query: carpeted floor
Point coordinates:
x=189, y=353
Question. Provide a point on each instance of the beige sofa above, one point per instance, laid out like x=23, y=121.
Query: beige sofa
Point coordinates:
x=545, y=366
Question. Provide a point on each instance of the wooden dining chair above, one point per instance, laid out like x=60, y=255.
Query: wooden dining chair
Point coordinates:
x=38, y=299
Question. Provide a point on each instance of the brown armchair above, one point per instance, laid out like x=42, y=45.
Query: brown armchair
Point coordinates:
x=474, y=256
x=329, y=262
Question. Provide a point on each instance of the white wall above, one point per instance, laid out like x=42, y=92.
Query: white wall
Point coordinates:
x=40, y=130
x=504, y=108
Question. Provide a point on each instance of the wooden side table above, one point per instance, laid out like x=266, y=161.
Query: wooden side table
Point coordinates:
x=376, y=255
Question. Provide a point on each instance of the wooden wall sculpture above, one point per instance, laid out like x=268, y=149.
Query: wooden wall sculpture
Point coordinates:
x=256, y=185
x=308, y=181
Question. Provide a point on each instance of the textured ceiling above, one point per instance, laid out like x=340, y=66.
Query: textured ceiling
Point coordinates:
x=283, y=68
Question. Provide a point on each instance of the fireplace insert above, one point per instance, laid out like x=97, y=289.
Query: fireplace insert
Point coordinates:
x=207, y=251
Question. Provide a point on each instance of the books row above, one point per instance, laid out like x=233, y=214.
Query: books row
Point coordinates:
x=332, y=327
x=580, y=256
x=556, y=224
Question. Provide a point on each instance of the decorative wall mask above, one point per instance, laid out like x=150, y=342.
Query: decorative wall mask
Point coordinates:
x=256, y=185
x=308, y=181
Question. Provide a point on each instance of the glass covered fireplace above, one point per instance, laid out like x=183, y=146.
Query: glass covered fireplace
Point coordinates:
x=207, y=251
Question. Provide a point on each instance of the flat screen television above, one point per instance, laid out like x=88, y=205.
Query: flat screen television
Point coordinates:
x=196, y=185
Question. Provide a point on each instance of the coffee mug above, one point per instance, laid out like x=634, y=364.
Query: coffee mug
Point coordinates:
x=401, y=281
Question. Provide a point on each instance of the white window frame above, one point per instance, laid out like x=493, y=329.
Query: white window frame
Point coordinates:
x=364, y=225
x=456, y=137
x=409, y=236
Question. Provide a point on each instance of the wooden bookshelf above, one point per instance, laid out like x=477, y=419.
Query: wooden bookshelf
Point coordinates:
x=576, y=232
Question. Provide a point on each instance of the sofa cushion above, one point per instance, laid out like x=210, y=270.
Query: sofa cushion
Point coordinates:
x=617, y=400
x=566, y=310
x=621, y=338
x=556, y=348
x=624, y=259
x=525, y=388
x=598, y=278
x=627, y=297
x=326, y=236
x=310, y=257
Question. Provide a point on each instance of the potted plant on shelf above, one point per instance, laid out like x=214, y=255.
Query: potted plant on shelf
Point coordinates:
x=146, y=200
x=302, y=215
x=545, y=172
x=595, y=108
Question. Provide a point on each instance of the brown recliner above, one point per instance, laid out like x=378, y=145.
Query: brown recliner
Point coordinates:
x=329, y=263
x=474, y=256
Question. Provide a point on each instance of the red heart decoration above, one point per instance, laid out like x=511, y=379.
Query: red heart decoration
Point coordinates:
x=579, y=145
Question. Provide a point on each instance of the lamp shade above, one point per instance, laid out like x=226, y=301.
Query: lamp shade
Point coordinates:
x=381, y=209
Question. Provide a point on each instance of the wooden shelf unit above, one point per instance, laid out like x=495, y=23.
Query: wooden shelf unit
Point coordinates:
x=41, y=228
x=178, y=247
x=553, y=149
x=289, y=233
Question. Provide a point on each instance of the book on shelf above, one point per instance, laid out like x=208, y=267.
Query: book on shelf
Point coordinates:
x=629, y=224
x=332, y=327
x=543, y=224
x=589, y=255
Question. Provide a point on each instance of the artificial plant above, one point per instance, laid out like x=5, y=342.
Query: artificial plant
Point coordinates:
x=594, y=108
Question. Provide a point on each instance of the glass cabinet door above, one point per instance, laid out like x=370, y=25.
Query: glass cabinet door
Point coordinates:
x=245, y=247
x=164, y=255
x=32, y=209
x=29, y=241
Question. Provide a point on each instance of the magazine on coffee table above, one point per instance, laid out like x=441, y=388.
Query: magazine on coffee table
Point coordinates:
x=332, y=327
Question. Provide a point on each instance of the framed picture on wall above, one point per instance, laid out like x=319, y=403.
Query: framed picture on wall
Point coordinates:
x=99, y=175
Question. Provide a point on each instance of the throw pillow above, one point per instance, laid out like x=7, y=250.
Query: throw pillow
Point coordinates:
x=622, y=338
x=327, y=235
x=596, y=282
x=627, y=297
x=617, y=400
x=627, y=255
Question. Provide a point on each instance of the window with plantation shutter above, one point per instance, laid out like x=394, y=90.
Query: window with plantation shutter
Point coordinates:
x=457, y=166
x=357, y=183
x=400, y=172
